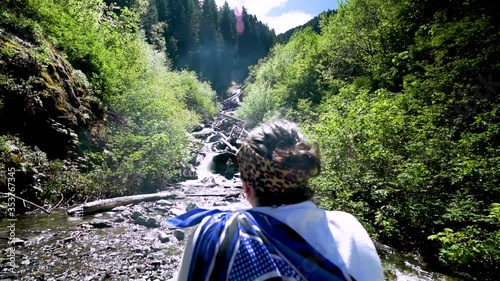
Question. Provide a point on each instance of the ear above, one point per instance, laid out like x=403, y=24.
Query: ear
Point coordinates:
x=246, y=188
x=249, y=192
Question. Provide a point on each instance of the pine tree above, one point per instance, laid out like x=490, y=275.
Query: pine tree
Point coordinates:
x=210, y=39
x=227, y=23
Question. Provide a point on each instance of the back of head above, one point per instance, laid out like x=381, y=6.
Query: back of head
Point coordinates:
x=277, y=162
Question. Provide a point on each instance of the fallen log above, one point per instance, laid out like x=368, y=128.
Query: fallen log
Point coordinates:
x=231, y=117
x=104, y=205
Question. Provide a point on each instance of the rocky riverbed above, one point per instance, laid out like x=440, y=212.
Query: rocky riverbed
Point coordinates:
x=128, y=243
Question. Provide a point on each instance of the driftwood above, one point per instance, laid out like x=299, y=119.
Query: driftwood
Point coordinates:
x=224, y=140
x=231, y=117
x=108, y=204
x=26, y=201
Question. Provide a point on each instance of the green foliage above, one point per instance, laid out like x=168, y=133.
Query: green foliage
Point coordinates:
x=147, y=141
x=38, y=179
x=402, y=97
x=472, y=243
x=286, y=77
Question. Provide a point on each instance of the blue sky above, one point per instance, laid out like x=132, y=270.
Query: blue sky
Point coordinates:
x=313, y=7
x=283, y=15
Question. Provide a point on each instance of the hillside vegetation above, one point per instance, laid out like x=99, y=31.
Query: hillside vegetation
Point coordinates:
x=402, y=97
x=88, y=108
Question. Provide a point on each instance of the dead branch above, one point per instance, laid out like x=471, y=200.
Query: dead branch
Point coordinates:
x=8, y=194
x=214, y=195
x=59, y=203
x=231, y=117
x=224, y=140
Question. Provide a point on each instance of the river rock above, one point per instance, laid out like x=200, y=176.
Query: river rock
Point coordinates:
x=162, y=209
x=152, y=222
x=176, y=212
x=216, y=204
x=164, y=202
x=163, y=237
x=136, y=214
x=100, y=223
x=191, y=206
x=214, y=138
x=147, y=221
x=209, y=182
x=179, y=234
x=16, y=242
x=198, y=128
x=119, y=218
x=127, y=213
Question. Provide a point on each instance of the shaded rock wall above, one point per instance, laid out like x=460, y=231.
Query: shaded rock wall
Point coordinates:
x=43, y=99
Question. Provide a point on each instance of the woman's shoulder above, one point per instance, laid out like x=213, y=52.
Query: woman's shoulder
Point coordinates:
x=341, y=217
x=347, y=224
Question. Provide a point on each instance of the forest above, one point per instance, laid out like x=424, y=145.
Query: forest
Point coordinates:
x=217, y=44
x=400, y=95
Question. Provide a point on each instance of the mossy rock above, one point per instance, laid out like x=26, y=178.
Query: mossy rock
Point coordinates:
x=47, y=103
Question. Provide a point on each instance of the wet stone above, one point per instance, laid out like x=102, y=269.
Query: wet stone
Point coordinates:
x=191, y=206
x=164, y=202
x=220, y=204
x=163, y=237
x=136, y=214
x=140, y=220
x=163, y=209
x=16, y=242
x=100, y=224
x=148, y=222
x=119, y=218
x=156, y=262
x=127, y=213
x=176, y=212
x=179, y=234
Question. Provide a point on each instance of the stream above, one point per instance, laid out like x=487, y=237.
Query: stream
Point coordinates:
x=133, y=242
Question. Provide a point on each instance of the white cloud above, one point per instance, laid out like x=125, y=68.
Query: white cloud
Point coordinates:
x=261, y=8
x=286, y=21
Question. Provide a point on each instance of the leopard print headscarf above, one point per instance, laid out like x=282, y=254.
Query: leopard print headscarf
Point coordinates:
x=266, y=175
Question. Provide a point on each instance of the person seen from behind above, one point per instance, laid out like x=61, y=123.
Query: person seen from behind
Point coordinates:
x=284, y=236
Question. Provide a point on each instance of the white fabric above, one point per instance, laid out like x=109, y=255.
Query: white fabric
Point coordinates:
x=336, y=235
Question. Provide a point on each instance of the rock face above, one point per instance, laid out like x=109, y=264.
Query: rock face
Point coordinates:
x=41, y=94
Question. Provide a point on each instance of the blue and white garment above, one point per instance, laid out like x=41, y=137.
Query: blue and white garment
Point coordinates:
x=249, y=245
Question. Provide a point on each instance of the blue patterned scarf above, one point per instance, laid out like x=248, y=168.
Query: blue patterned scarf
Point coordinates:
x=249, y=245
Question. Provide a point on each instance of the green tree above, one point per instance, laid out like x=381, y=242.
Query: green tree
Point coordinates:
x=210, y=38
